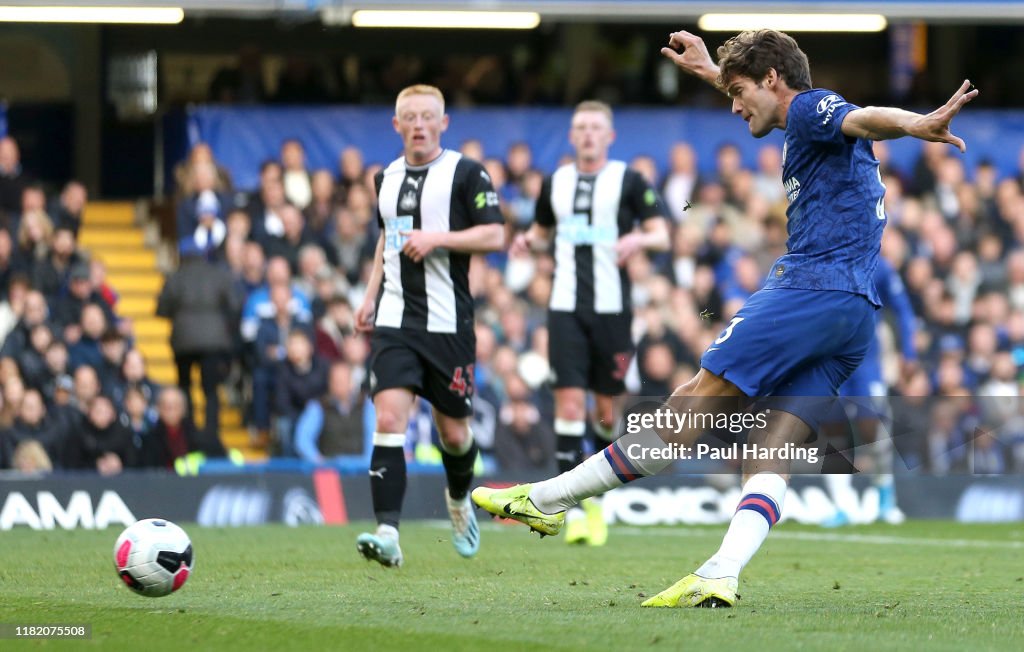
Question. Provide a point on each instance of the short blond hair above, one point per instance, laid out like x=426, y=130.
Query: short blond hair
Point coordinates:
x=420, y=89
x=31, y=457
x=597, y=106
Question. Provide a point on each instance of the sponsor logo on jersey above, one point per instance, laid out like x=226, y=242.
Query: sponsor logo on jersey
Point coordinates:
x=488, y=198
x=827, y=105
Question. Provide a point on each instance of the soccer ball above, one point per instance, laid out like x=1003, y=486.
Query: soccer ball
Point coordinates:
x=153, y=557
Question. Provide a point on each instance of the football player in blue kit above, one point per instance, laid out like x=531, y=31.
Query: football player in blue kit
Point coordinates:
x=801, y=335
x=867, y=409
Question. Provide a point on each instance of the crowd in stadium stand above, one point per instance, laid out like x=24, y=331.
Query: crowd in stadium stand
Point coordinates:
x=294, y=255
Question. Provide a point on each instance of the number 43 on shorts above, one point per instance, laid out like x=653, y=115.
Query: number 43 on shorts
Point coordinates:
x=462, y=381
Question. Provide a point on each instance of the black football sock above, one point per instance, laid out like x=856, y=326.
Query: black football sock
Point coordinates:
x=459, y=469
x=569, y=443
x=387, y=483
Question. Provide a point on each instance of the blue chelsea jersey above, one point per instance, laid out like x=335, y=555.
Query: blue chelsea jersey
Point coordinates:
x=835, y=195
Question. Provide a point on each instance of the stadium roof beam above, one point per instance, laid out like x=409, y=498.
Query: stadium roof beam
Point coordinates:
x=793, y=22
x=672, y=12
x=446, y=19
x=91, y=14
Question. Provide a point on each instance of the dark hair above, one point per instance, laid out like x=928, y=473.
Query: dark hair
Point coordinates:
x=111, y=335
x=300, y=332
x=753, y=52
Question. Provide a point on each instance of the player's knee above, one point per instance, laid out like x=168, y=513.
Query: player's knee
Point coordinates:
x=570, y=409
x=455, y=435
x=391, y=420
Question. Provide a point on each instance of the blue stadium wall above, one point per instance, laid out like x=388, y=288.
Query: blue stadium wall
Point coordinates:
x=243, y=137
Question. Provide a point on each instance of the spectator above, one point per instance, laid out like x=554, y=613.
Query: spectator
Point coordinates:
x=174, y=434
x=86, y=347
x=351, y=167
x=184, y=173
x=201, y=216
x=67, y=209
x=50, y=275
x=32, y=361
x=30, y=458
x=103, y=443
x=13, y=395
x=349, y=245
x=12, y=178
x=34, y=313
x=56, y=358
x=67, y=310
x=86, y=388
x=271, y=338
x=293, y=238
x=253, y=271
x=523, y=439
x=12, y=309
x=332, y=329
x=265, y=213
x=7, y=262
x=35, y=231
x=200, y=301
x=312, y=265
x=112, y=351
x=301, y=377
x=320, y=210
x=139, y=418
x=98, y=278
x=298, y=187
x=259, y=306
x=331, y=425
x=132, y=375
x=33, y=424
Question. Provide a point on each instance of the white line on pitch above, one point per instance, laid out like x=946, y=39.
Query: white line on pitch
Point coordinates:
x=874, y=539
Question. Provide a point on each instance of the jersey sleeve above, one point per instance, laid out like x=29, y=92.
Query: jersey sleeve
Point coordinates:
x=483, y=204
x=378, y=180
x=818, y=116
x=641, y=197
x=543, y=214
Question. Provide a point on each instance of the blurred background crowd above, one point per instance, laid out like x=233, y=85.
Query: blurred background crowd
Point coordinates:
x=263, y=301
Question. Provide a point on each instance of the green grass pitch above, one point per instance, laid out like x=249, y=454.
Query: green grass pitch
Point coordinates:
x=921, y=586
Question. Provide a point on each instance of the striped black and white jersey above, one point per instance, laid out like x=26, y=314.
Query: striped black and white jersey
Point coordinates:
x=451, y=193
x=589, y=214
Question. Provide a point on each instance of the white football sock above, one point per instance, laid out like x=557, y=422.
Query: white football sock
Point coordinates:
x=759, y=509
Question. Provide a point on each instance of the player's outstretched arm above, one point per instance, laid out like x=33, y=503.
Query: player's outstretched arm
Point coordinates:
x=886, y=123
x=689, y=53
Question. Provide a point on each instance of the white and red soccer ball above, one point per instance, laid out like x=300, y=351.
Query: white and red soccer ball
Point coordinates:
x=153, y=557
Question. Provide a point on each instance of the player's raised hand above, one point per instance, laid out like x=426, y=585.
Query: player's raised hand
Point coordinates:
x=419, y=244
x=689, y=53
x=935, y=125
